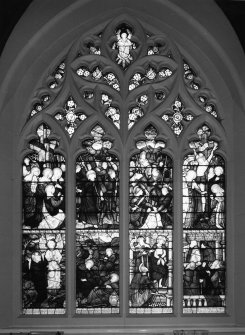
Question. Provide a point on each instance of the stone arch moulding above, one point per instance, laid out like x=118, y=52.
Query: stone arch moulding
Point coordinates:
x=57, y=26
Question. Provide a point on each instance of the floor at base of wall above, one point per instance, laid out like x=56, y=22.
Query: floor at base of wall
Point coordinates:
x=89, y=331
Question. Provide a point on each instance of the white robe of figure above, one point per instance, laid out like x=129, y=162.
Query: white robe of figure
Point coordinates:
x=152, y=221
x=51, y=222
x=53, y=257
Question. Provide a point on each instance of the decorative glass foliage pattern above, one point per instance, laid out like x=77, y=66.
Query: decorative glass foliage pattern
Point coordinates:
x=97, y=224
x=190, y=77
x=43, y=231
x=53, y=84
x=177, y=117
x=207, y=106
x=203, y=96
x=97, y=75
x=57, y=77
x=137, y=111
x=204, y=221
x=71, y=116
x=39, y=105
x=133, y=115
x=112, y=112
x=151, y=224
x=150, y=75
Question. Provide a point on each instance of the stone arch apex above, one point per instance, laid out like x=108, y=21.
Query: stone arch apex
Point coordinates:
x=46, y=22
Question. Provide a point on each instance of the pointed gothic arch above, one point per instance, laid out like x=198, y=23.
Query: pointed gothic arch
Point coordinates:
x=211, y=93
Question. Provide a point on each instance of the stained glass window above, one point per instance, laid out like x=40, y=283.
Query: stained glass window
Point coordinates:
x=204, y=220
x=43, y=226
x=151, y=224
x=97, y=227
x=121, y=104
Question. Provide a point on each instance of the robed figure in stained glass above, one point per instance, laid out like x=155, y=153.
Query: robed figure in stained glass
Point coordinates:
x=204, y=224
x=97, y=223
x=43, y=223
x=151, y=220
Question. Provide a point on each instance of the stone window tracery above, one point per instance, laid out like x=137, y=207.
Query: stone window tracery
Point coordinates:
x=120, y=89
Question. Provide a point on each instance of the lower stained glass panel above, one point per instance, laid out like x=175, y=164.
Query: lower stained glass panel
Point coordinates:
x=43, y=272
x=204, y=271
x=150, y=277
x=97, y=272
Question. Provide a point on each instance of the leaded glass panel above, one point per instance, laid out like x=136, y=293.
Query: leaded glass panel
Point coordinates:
x=178, y=117
x=97, y=227
x=150, y=227
x=70, y=116
x=204, y=221
x=43, y=226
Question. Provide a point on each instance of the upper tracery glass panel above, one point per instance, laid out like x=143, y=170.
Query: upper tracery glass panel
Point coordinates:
x=123, y=69
x=122, y=63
